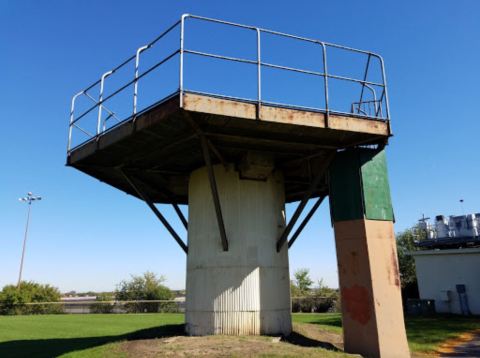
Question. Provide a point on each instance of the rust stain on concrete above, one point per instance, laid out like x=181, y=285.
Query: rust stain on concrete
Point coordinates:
x=396, y=271
x=357, y=303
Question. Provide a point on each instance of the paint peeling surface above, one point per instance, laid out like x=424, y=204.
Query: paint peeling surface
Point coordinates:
x=357, y=303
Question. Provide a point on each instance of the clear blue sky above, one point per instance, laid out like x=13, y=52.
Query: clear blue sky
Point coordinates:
x=86, y=235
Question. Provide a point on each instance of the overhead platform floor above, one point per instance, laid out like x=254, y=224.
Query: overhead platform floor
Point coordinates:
x=162, y=146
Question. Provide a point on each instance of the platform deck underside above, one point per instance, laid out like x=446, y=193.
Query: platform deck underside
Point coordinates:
x=161, y=147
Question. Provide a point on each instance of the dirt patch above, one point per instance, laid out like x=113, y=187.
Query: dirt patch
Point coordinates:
x=465, y=345
x=305, y=341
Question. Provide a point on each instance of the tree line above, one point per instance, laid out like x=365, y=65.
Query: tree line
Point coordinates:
x=306, y=297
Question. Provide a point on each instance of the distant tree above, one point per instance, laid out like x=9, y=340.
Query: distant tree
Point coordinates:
x=105, y=296
x=145, y=287
x=323, y=290
x=406, y=244
x=303, y=281
x=12, y=297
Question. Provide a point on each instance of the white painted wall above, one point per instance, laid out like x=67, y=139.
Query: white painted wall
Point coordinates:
x=439, y=271
x=245, y=290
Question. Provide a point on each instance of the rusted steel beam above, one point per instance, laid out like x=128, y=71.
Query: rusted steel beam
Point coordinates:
x=213, y=187
x=157, y=212
x=180, y=215
x=306, y=220
x=313, y=186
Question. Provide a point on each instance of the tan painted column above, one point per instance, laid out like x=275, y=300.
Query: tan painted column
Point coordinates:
x=373, y=323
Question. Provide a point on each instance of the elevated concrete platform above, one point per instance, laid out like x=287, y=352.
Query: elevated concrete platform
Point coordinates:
x=162, y=145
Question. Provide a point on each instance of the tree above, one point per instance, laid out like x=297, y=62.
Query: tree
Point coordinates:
x=406, y=262
x=13, y=298
x=302, y=281
x=145, y=287
x=323, y=290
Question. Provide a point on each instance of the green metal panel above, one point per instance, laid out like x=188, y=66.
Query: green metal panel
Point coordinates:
x=359, y=186
x=345, y=188
x=375, y=186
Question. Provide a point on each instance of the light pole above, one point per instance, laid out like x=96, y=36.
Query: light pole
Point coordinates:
x=27, y=199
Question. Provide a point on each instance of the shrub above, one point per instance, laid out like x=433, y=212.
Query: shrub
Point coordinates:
x=13, y=299
x=141, y=288
x=313, y=304
x=151, y=307
x=102, y=307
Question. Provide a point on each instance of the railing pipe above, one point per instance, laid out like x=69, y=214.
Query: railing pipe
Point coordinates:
x=259, y=70
x=100, y=99
x=384, y=80
x=135, y=84
x=72, y=119
x=325, y=80
x=365, y=77
x=182, y=44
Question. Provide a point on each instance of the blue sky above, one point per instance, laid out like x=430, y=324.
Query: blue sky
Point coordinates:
x=86, y=235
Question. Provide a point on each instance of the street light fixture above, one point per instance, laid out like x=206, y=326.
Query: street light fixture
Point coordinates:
x=27, y=199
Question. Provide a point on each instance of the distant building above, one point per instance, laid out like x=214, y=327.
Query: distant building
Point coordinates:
x=448, y=263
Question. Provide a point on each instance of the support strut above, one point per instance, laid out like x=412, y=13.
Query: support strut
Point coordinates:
x=213, y=188
x=306, y=220
x=313, y=185
x=159, y=215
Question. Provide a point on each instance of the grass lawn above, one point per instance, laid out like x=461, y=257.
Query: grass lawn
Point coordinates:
x=54, y=335
x=425, y=334
x=97, y=335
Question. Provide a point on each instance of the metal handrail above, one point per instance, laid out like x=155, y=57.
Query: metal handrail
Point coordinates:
x=181, y=51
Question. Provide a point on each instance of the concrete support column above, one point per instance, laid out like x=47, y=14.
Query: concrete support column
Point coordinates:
x=362, y=215
x=245, y=290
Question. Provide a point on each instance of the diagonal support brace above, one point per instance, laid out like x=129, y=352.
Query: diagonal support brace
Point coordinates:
x=213, y=187
x=313, y=185
x=180, y=215
x=152, y=206
x=306, y=220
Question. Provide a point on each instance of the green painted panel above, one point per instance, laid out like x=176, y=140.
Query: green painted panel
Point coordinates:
x=345, y=188
x=359, y=186
x=375, y=186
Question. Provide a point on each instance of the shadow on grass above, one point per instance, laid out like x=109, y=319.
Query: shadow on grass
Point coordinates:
x=301, y=340
x=46, y=348
x=333, y=321
x=43, y=348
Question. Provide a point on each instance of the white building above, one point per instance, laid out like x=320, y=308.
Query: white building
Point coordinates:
x=440, y=274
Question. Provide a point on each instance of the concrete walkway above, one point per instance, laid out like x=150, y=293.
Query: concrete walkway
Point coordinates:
x=467, y=349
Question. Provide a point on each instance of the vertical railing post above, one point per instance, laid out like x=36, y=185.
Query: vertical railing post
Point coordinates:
x=72, y=118
x=384, y=81
x=325, y=81
x=135, y=83
x=259, y=73
x=100, y=99
x=365, y=78
x=182, y=44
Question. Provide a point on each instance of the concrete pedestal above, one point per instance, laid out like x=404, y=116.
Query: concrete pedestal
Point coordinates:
x=245, y=290
x=362, y=214
x=372, y=317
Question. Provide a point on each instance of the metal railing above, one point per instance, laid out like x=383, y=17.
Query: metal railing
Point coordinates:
x=375, y=106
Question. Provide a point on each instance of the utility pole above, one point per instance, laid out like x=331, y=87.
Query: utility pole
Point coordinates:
x=27, y=199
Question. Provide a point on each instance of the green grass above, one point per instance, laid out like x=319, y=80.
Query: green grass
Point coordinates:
x=425, y=334
x=328, y=321
x=71, y=335
x=96, y=335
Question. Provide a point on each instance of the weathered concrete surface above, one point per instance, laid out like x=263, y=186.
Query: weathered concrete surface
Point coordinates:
x=245, y=290
x=373, y=323
x=455, y=266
